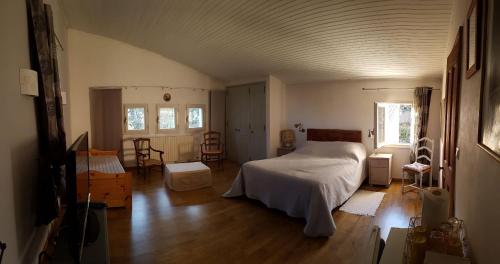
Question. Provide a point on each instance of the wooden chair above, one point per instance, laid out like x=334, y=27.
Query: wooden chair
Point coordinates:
x=425, y=151
x=212, y=149
x=143, y=155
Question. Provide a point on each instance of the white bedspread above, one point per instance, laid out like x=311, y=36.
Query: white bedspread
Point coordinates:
x=308, y=183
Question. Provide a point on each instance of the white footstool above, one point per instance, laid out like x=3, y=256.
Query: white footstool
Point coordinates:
x=187, y=176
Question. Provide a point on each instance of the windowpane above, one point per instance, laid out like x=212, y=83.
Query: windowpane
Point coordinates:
x=404, y=123
x=394, y=124
x=380, y=125
x=136, y=118
x=195, y=117
x=166, y=118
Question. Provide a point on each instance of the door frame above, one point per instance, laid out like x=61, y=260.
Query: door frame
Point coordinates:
x=452, y=100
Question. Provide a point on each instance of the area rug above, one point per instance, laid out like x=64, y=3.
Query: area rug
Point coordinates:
x=363, y=203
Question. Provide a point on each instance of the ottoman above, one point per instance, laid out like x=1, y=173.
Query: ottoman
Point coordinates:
x=187, y=176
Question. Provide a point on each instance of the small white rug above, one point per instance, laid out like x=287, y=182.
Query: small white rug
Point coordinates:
x=363, y=203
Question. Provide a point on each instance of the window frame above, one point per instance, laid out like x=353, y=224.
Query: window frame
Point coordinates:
x=167, y=131
x=204, y=116
x=412, y=124
x=125, y=119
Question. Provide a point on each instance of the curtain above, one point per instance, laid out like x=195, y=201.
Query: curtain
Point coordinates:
x=421, y=105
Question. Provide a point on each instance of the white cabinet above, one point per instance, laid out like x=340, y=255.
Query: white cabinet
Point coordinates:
x=379, y=169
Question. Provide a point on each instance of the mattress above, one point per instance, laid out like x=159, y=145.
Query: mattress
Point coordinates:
x=308, y=183
x=103, y=164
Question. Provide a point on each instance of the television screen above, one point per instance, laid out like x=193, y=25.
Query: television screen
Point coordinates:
x=77, y=196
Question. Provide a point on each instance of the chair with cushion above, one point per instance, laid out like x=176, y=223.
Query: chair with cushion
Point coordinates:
x=212, y=149
x=421, y=166
x=143, y=158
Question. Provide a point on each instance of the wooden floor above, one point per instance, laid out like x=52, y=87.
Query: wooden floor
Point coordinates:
x=202, y=227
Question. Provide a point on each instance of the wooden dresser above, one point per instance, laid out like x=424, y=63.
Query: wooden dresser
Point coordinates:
x=379, y=169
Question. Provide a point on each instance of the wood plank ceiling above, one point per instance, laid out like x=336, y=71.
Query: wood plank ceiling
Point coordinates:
x=297, y=41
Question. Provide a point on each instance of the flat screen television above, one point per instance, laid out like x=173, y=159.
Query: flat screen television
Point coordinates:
x=77, y=194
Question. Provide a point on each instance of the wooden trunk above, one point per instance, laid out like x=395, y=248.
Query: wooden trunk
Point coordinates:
x=114, y=189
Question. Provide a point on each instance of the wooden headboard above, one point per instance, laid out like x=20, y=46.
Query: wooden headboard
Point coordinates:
x=315, y=134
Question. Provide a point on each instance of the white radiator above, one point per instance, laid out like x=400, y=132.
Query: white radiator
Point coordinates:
x=176, y=148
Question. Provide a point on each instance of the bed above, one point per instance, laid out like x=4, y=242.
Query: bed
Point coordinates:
x=310, y=182
x=108, y=181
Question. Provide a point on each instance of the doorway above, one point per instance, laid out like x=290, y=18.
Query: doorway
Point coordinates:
x=106, y=119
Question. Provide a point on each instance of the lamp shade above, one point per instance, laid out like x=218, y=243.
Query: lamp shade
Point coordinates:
x=287, y=137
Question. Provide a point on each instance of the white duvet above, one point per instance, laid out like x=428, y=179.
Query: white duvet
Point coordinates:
x=308, y=183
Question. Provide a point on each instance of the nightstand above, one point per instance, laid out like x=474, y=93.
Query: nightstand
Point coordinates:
x=283, y=150
x=379, y=169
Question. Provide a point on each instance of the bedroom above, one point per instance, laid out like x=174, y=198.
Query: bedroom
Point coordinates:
x=292, y=66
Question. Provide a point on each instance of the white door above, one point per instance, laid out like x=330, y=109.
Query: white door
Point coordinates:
x=237, y=114
x=257, y=139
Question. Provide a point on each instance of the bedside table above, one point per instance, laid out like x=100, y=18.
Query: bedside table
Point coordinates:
x=379, y=169
x=283, y=151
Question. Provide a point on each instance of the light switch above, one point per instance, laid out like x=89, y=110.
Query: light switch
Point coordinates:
x=63, y=98
x=28, y=80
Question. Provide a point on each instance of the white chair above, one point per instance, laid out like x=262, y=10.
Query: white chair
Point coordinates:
x=418, y=168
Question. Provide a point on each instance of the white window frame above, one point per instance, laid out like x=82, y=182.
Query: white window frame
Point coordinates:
x=125, y=118
x=167, y=131
x=204, y=123
x=393, y=145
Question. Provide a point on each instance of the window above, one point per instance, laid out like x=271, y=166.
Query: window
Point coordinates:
x=136, y=118
x=394, y=124
x=195, y=118
x=167, y=118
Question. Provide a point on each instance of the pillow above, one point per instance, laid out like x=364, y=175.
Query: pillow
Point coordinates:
x=334, y=149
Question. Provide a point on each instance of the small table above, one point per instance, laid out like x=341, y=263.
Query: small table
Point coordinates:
x=379, y=169
x=284, y=150
x=395, y=247
x=187, y=176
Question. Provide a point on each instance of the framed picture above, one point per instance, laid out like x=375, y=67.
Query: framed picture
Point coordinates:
x=473, y=27
x=489, y=115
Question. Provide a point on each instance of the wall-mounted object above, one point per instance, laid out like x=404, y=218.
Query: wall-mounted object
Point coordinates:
x=28, y=81
x=300, y=127
x=489, y=115
x=287, y=138
x=473, y=40
x=167, y=97
x=371, y=132
x=64, y=98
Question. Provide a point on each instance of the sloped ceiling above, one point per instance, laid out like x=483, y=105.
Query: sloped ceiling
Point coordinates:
x=298, y=41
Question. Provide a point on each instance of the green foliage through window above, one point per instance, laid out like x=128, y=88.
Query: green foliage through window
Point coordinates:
x=136, y=118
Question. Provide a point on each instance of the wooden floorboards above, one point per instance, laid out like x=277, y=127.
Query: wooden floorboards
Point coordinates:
x=202, y=227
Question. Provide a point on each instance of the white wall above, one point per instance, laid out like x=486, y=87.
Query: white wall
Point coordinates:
x=19, y=152
x=96, y=61
x=275, y=90
x=343, y=105
x=477, y=176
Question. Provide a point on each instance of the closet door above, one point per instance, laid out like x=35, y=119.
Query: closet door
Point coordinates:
x=257, y=139
x=237, y=114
